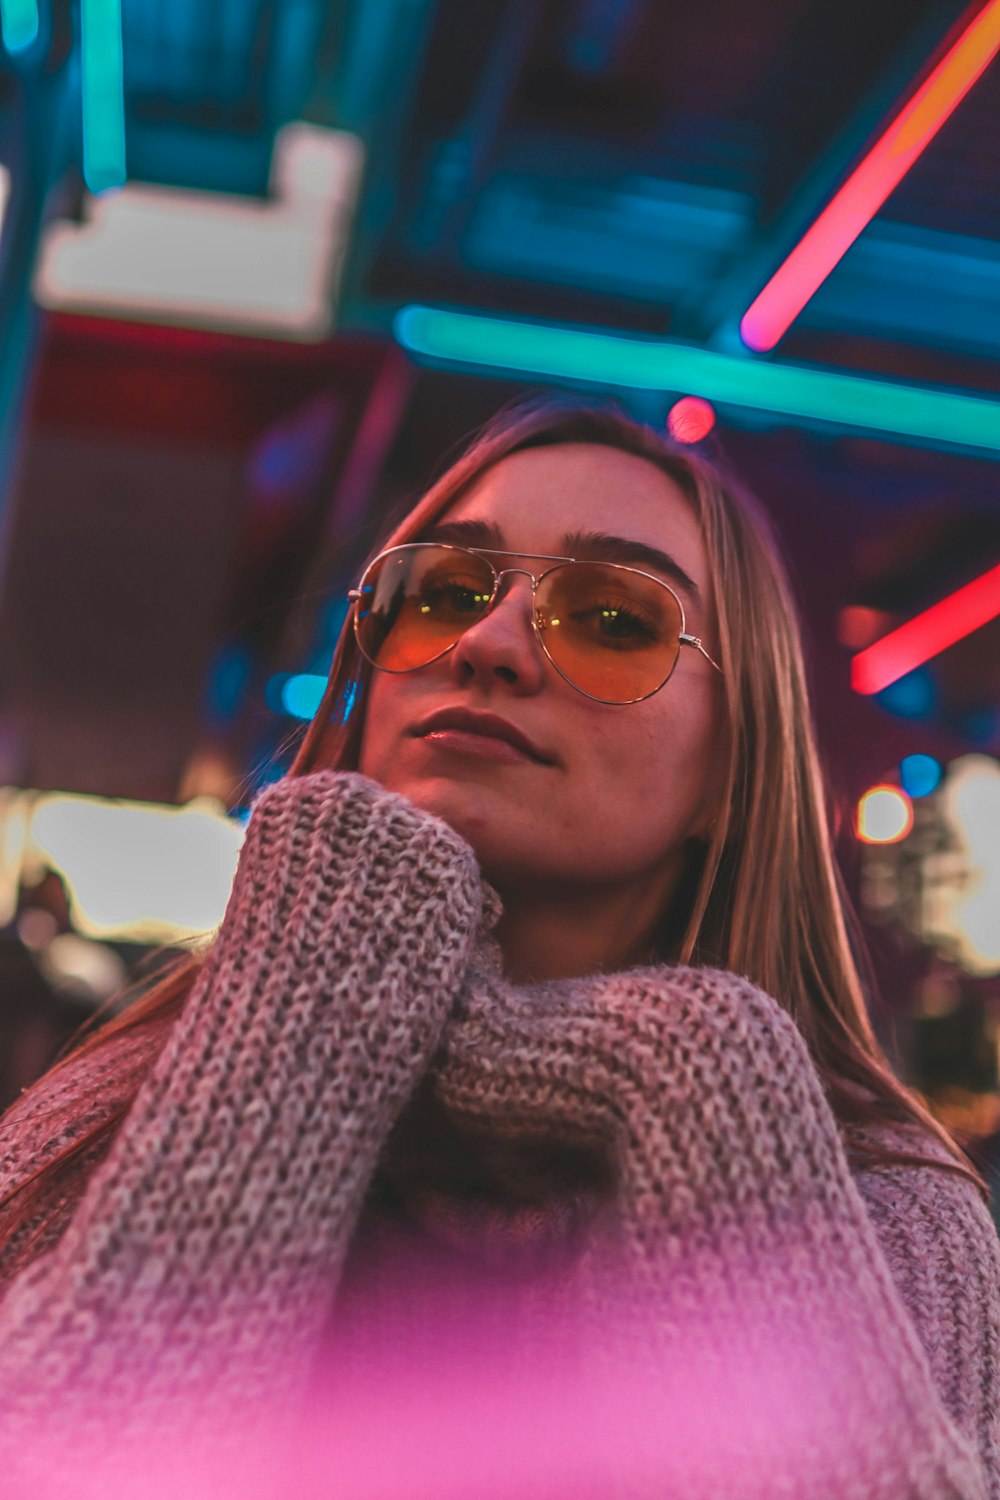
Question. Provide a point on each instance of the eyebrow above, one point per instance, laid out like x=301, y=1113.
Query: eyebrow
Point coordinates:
x=585, y=546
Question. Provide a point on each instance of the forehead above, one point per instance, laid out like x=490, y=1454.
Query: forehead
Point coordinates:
x=538, y=496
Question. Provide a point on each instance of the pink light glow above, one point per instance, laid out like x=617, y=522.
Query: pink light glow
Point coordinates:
x=554, y=1419
x=927, y=634
x=862, y=195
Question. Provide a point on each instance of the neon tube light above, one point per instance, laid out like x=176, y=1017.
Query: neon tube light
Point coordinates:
x=862, y=195
x=19, y=24
x=103, y=94
x=920, y=413
x=927, y=634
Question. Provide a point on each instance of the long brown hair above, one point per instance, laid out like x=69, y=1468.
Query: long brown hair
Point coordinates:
x=767, y=901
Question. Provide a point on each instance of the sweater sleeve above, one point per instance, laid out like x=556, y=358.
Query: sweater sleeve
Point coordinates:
x=205, y=1250
x=943, y=1253
x=804, y=1343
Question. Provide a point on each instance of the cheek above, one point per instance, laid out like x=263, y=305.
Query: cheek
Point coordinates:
x=382, y=709
x=651, y=778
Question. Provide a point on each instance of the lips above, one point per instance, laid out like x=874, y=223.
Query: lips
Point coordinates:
x=490, y=726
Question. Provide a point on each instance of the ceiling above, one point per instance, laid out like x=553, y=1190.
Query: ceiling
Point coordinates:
x=646, y=166
x=632, y=164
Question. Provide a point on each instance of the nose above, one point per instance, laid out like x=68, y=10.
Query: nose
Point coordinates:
x=502, y=645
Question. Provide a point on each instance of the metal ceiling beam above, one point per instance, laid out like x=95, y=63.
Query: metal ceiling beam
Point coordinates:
x=464, y=161
x=376, y=73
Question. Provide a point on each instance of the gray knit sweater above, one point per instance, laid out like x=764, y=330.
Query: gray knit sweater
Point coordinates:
x=354, y=1094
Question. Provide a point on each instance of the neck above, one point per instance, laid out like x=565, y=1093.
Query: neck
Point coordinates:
x=566, y=934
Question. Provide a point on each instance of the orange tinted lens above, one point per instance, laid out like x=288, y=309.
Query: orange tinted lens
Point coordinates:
x=415, y=603
x=614, y=634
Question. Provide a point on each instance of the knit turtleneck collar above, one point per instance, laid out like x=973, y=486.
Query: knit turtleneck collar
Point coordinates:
x=501, y=1197
x=509, y=1204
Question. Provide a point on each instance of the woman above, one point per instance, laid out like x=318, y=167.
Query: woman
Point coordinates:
x=536, y=970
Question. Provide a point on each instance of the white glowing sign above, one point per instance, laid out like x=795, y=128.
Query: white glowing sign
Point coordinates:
x=135, y=871
x=213, y=259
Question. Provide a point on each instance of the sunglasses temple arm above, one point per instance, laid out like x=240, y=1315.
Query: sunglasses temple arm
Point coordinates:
x=692, y=640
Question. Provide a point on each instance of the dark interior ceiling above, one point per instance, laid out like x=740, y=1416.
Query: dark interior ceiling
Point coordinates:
x=646, y=166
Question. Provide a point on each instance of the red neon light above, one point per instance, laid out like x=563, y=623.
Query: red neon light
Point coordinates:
x=926, y=634
x=862, y=195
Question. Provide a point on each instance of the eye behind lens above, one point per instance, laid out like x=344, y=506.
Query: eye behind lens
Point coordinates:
x=611, y=632
x=419, y=599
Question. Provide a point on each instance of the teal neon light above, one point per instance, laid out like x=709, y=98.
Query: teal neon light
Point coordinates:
x=800, y=392
x=18, y=24
x=103, y=95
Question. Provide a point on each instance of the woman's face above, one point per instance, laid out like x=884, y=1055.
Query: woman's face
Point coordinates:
x=617, y=791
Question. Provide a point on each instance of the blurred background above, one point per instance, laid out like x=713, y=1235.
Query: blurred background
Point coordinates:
x=264, y=263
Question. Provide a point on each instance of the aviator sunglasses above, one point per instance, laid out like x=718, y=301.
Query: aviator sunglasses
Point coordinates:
x=612, y=631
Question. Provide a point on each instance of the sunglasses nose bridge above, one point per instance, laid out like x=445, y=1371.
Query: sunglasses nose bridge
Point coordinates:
x=501, y=592
x=503, y=572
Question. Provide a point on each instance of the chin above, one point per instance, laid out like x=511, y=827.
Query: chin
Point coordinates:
x=460, y=807
x=485, y=822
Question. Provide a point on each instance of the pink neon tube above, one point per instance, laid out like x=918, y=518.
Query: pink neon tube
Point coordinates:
x=862, y=195
x=926, y=634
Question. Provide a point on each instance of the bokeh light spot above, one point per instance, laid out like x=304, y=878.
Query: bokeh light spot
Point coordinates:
x=911, y=697
x=690, y=419
x=920, y=775
x=302, y=693
x=885, y=815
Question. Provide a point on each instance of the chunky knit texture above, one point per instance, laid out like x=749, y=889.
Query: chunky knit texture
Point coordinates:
x=353, y=1089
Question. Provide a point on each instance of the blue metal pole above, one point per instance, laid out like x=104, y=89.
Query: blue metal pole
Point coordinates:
x=34, y=149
